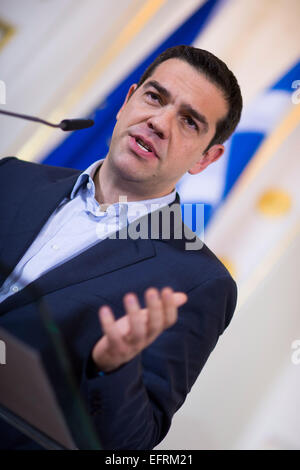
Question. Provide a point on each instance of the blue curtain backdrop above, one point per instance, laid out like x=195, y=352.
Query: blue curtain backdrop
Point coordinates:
x=81, y=148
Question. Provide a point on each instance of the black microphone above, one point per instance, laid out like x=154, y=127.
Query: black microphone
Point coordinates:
x=65, y=125
x=75, y=124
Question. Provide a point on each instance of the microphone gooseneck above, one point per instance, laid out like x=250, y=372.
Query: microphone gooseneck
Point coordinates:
x=65, y=124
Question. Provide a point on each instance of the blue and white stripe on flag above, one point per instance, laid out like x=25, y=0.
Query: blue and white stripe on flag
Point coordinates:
x=258, y=120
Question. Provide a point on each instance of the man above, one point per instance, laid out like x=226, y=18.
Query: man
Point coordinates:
x=162, y=306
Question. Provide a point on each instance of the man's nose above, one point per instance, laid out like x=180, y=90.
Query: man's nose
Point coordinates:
x=161, y=122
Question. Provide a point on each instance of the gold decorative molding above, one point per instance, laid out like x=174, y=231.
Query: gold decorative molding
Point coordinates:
x=268, y=149
x=6, y=32
x=274, y=202
x=262, y=157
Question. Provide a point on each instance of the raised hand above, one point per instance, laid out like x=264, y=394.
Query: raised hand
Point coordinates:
x=123, y=339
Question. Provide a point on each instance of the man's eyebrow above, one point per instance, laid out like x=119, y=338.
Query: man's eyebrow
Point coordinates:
x=198, y=116
x=161, y=89
x=185, y=107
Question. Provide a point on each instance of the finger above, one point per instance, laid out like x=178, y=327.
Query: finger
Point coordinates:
x=106, y=318
x=155, y=312
x=180, y=298
x=137, y=319
x=118, y=347
x=169, y=307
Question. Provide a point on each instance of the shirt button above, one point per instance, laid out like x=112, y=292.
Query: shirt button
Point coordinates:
x=55, y=247
x=15, y=288
x=89, y=185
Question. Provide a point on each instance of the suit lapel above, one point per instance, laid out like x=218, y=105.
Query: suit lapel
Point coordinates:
x=33, y=211
x=106, y=256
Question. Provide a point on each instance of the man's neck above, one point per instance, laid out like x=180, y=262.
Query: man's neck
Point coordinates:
x=107, y=192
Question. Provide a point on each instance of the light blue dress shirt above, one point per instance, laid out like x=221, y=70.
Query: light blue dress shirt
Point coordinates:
x=78, y=223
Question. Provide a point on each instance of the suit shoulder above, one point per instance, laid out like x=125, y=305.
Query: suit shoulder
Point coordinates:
x=198, y=253
x=15, y=166
x=200, y=264
x=215, y=262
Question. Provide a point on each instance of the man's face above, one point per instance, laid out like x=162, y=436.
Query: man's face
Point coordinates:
x=164, y=126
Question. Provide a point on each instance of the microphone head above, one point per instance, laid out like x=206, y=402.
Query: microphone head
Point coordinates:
x=75, y=124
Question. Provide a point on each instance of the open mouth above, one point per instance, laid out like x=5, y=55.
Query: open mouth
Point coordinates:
x=143, y=145
x=142, y=148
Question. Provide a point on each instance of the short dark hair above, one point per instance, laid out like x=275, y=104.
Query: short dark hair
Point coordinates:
x=216, y=71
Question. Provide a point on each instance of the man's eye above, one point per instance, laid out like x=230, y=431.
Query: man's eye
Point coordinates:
x=153, y=96
x=190, y=122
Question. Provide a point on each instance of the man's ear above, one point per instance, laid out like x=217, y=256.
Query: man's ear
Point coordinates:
x=210, y=156
x=130, y=92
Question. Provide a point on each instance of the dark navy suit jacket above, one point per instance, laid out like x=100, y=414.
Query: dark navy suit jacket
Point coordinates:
x=131, y=407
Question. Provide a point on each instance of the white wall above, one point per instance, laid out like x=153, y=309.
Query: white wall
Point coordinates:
x=242, y=370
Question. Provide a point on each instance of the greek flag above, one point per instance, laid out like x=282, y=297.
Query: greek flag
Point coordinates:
x=212, y=186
